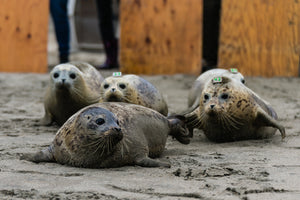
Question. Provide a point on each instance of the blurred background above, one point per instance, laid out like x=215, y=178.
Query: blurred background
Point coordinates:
x=258, y=37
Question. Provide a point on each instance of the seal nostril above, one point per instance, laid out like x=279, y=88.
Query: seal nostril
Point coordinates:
x=212, y=106
x=113, y=89
x=63, y=80
x=117, y=129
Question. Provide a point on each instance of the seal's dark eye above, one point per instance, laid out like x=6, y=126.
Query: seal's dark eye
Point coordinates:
x=224, y=96
x=243, y=81
x=72, y=76
x=56, y=75
x=122, y=86
x=206, y=96
x=105, y=86
x=100, y=121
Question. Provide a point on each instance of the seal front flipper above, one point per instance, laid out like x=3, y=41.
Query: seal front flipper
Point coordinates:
x=148, y=162
x=46, y=120
x=179, y=129
x=192, y=121
x=263, y=119
x=46, y=155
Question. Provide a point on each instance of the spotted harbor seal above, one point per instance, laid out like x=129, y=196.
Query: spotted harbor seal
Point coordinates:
x=72, y=86
x=193, y=97
x=229, y=111
x=112, y=135
x=133, y=89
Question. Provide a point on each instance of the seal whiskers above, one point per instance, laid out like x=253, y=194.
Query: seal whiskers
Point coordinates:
x=229, y=111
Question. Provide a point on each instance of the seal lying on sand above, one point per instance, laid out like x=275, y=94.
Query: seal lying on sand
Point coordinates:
x=112, y=135
x=229, y=111
x=195, y=91
x=133, y=89
x=72, y=86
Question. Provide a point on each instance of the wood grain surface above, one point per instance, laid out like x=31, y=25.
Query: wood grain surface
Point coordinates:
x=260, y=37
x=23, y=35
x=161, y=36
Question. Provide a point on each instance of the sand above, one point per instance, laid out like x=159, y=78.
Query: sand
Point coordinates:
x=254, y=169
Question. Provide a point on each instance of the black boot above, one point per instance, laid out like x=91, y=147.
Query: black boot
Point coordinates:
x=63, y=58
x=111, y=51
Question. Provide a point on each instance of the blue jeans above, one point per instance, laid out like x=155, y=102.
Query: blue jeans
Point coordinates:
x=59, y=12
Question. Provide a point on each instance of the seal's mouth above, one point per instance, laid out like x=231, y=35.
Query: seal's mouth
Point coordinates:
x=114, y=98
x=106, y=144
x=212, y=112
x=62, y=85
x=116, y=134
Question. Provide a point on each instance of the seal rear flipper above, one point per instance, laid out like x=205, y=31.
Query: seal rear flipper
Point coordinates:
x=46, y=155
x=149, y=162
x=263, y=119
x=264, y=105
x=178, y=129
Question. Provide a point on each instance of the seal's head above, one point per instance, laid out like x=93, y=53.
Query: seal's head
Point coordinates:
x=224, y=103
x=116, y=89
x=66, y=77
x=98, y=130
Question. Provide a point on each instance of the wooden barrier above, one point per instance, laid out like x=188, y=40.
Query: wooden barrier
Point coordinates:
x=260, y=37
x=23, y=35
x=161, y=36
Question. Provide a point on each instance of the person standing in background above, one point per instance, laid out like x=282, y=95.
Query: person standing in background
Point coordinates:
x=59, y=13
x=211, y=26
x=110, y=42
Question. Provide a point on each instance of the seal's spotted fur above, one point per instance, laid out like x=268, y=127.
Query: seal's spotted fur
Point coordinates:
x=113, y=135
x=133, y=89
x=229, y=111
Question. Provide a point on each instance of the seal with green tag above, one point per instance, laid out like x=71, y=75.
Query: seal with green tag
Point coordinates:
x=234, y=70
x=217, y=80
x=117, y=74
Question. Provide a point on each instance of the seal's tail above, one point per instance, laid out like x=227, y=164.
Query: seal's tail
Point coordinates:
x=179, y=129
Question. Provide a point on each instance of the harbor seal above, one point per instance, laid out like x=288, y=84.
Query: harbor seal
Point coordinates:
x=72, y=86
x=229, y=111
x=193, y=97
x=133, y=89
x=111, y=134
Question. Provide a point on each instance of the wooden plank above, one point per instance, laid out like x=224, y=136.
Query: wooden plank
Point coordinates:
x=23, y=35
x=260, y=37
x=161, y=36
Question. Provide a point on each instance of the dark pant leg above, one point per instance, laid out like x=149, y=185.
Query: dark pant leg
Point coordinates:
x=58, y=9
x=211, y=23
x=105, y=19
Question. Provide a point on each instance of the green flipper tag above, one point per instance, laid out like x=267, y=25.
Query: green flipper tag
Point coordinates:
x=233, y=70
x=217, y=80
x=117, y=74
